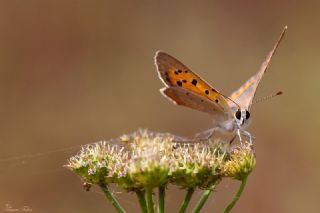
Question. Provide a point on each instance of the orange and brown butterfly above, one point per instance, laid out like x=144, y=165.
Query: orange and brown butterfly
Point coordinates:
x=184, y=87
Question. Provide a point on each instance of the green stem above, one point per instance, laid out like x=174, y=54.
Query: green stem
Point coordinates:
x=142, y=201
x=112, y=199
x=237, y=195
x=203, y=199
x=149, y=195
x=161, y=196
x=186, y=200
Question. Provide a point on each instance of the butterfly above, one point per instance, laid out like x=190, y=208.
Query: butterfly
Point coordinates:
x=184, y=87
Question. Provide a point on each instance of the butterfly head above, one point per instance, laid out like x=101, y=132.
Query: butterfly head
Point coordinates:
x=242, y=116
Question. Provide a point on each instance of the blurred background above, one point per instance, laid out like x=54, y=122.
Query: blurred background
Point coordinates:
x=76, y=72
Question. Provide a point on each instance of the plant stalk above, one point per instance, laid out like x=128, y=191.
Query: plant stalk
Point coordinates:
x=142, y=201
x=112, y=199
x=161, y=195
x=203, y=199
x=237, y=195
x=149, y=197
x=186, y=200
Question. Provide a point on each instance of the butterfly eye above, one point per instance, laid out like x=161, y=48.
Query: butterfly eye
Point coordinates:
x=238, y=114
x=247, y=114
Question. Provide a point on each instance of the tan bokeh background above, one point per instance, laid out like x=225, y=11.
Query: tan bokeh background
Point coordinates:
x=75, y=72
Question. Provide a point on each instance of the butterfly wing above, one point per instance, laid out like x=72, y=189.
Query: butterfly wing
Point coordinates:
x=244, y=95
x=184, y=97
x=176, y=75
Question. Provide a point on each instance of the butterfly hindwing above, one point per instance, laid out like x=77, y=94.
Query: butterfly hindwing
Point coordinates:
x=184, y=97
x=175, y=74
x=244, y=95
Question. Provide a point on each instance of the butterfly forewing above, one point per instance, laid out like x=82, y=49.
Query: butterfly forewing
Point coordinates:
x=244, y=95
x=175, y=74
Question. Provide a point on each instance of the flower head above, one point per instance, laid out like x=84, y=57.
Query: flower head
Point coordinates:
x=197, y=165
x=241, y=162
x=146, y=159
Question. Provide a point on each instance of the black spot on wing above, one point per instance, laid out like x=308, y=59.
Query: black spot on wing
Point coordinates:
x=207, y=92
x=194, y=82
x=213, y=90
x=179, y=83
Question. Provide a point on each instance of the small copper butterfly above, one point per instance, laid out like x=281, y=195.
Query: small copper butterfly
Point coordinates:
x=184, y=87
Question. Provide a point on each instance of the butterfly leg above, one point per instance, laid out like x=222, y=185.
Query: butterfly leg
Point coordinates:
x=232, y=139
x=249, y=136
x=205, y=135
x=239, y=134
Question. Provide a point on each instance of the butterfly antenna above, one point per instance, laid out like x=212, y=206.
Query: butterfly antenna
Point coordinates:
x=266, y=98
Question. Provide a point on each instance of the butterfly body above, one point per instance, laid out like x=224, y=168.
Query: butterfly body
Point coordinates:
x=184, y=87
